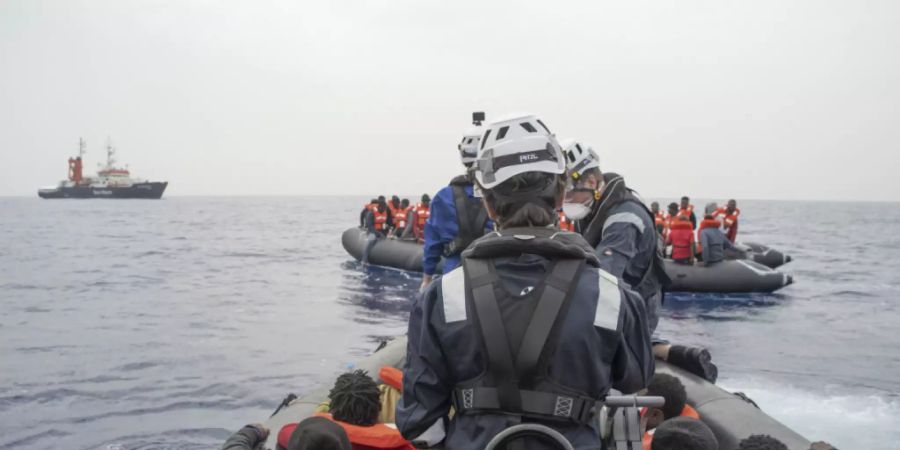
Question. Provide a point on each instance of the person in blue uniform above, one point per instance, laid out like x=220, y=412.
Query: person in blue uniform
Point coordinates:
x=457, y=215
x=529, y=329
x=616, y=222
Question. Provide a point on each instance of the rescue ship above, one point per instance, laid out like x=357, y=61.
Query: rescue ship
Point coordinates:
x=110, y=181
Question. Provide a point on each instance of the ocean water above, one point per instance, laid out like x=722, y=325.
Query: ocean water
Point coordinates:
x=170, y=324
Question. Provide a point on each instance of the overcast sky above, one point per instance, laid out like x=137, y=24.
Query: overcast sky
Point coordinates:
x=754, y=99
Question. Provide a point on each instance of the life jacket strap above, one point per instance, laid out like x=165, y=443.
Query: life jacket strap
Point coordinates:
x=537, y=404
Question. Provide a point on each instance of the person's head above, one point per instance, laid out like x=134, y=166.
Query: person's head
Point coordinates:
x=426, y=200
x=761, y=442
x=584, y=181
x=314, y=433
x=404, y=203
x=685, y=201
x=710, y=210
x=374, y=201
x=673, y=208
x=395, y=201
x=382, y=205
x=355, y=399
x=654, y=207
x=669, y=388
x=520, y=171
x=683, y=433
x=468, y=147
x=732, y=205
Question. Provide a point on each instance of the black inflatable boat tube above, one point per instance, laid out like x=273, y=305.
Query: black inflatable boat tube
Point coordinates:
x=730, y=417
x=731, y=276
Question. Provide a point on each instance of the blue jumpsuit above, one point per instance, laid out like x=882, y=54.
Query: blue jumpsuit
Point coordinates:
x=603, y=343
x=441, y=228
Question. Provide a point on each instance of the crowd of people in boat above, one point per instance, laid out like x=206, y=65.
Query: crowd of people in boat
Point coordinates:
x=360, y=415
x=527, y=323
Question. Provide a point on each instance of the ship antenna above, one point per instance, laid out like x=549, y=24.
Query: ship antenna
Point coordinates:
x=110, y=151
x=81, y=147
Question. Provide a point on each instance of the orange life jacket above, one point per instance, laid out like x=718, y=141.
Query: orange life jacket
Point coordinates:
x=392, y=377
x=396, y=213
x=381, y=218
x=564, y=223
x=399, y=215
x=681, y=236
x=661, y=220
x=686, y=412
x=730, y=221
x=421, y=215
x=378, y=436
x=705, y=223
x=686, y=211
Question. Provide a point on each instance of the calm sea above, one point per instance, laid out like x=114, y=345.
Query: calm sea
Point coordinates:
x=170, y=324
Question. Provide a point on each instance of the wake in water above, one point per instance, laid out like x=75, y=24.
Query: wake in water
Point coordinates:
x=843, y=420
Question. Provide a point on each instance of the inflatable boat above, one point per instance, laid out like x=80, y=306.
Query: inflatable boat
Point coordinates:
x=731, y=417
x=730, y=276
x=758, y=253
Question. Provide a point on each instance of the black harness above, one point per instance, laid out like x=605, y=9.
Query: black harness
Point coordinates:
x=471, y=217
x=515, y=381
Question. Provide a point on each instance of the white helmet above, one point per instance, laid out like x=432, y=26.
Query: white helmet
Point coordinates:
x=468, y=147
x=579, y=158
x=516, y=144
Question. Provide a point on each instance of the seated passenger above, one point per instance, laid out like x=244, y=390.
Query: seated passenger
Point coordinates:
x=683, y=433
x=761, y=442
x=681, y=238
x=713, y=242
x=366, y=208
x=354, y=404
x=421, y=214
x=729, y=216
x=670, y=388
x=659, y=217
x=314, y=433
x=671, y=217
x=400, y=218
x=377, y=224
x=687, y=209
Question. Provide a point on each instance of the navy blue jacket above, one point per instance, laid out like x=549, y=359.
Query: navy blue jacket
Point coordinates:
x=603, y=343
x=629, y=242
x=441, y=228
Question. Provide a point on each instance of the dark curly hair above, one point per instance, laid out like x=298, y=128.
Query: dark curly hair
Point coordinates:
x=671, y=389
x=761, y=442
x=355, y=399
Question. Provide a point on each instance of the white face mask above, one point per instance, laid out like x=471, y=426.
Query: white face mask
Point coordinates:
x=576, y=211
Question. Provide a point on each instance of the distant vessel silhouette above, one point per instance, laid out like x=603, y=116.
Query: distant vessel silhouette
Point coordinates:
x=110, y=181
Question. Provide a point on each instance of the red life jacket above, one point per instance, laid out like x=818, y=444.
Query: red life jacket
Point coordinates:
x=381, y=218
x=396, y=214
x=400, y=217
x=421, y=213
x=681, y=236
x=648, y=436
x=730, y=221
x=705, y=223
x=564, y=223
x=375, y=437
x=392, y=377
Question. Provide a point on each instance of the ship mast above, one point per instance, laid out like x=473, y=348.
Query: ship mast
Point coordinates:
x=110, y=151
x=81, y=147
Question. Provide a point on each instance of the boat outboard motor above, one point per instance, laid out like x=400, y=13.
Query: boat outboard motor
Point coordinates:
x=620, y=420
x=529, y=430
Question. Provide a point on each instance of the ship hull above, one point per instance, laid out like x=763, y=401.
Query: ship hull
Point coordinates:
x=148, y=190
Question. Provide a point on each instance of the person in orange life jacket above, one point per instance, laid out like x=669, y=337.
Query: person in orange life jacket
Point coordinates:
x=417, y=218
x=713, y=242
x=564, y=223
x=729, y=215
x=671, y=217
x=670, y=388
x=681, y=238
x=312, y=433
x=687, y=209
x=378, y=222
x=527, y=290
x=401, y=216
x=395, y=210
x=354, y=405
x=366, y=208
x=456, y=217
